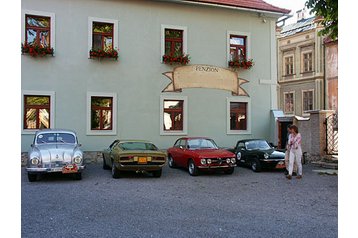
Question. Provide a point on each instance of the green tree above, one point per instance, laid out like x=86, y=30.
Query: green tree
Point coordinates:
x=328, y=9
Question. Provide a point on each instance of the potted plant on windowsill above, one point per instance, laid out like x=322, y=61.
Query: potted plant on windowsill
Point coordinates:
x=181, y=59
x=36, y=50
x=100, y=54
x=241, y=63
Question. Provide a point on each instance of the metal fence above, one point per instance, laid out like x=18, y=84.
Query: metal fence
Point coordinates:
x=332, y=134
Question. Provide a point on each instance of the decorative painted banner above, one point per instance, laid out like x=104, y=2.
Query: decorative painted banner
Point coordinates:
x=205, y=76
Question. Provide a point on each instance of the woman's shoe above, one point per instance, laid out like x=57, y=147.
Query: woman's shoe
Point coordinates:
x=299, y=177
x=289, y=177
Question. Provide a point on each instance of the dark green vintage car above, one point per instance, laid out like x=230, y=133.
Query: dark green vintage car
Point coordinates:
x=133, y=155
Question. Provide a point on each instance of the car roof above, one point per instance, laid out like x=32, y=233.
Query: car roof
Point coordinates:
x=247, y=140
x=194, y=137
x=143, y=141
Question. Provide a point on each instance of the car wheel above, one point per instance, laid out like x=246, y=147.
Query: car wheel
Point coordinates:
x=229, y=171
x=105, y=166
x=115, y=171
x=193, y=170
x=32, y=177
x=256, y=166
x=171, y=162
x=77, y=176
x=157, y=173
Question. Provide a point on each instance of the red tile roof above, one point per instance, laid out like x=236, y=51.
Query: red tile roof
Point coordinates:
x=249, y=4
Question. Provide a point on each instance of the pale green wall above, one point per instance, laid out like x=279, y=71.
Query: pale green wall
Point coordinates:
x=137, y=76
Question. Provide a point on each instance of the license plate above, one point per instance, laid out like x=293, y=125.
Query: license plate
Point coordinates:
x=71, y=168
x=142, y=160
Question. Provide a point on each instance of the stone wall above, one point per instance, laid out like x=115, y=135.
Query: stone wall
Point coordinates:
x=313, y=132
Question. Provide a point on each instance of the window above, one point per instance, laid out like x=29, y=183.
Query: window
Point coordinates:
x=307, y=62
x=237, y=47
x=289, y=65
x=102, y=36
x=289, y=102
x=38, y=111
x=307, y=100
x=101, y=113
x=37, y=30
x=173, y=40
x=173, y=115
x=239, y=115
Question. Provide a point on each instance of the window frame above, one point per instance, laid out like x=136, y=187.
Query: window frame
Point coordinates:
x=185, y=38
x=50, y=94
x=113, y=130
x=305, y=112
x=184, y=131
x=102, y=20
x=52, y=30
x=284, y=65
x=303, y=61
x=284, y=102
x=241, y=34
x=241, y=99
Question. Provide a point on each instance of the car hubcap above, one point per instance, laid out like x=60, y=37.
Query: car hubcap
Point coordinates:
x=191, y=168
x=170, y=160
x=253, y=166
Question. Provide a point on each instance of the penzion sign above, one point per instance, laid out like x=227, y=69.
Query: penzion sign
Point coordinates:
x=205, y=76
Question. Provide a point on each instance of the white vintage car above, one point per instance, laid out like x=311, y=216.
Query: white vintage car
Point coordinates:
x=55, y=151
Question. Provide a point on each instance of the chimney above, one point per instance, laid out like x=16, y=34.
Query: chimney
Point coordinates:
x=301, y=14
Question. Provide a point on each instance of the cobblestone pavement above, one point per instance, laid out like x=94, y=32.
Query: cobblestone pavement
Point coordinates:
x=244, y=204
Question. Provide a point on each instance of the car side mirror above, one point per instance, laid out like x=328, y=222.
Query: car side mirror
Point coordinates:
x=181, y=147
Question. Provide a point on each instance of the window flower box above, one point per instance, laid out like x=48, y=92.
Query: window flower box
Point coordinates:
x=100, y=54
x=244, y=64
x=182, y=59
x=36, y=50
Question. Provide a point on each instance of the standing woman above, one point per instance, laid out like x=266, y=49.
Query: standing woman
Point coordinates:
x=295, y=152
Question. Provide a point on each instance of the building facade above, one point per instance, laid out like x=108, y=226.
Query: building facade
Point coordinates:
x=301, y=68
x=119, y=70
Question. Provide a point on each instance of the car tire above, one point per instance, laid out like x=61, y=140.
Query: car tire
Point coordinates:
x=32, y=177
x=77, y=176
x=255, y=165
x=171, y=162
x=157, y=173
x=115, y=171
x=193, y=170
x=105, y=166
x=229, y=171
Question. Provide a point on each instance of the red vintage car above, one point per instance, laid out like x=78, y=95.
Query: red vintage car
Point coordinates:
x=199, y=154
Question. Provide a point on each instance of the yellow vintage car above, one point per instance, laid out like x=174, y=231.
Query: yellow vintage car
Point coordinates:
x=133, y=155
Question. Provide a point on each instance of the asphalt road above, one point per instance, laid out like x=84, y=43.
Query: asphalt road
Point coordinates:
x=244, y=204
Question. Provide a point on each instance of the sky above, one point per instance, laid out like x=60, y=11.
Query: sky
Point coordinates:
x=293, y=5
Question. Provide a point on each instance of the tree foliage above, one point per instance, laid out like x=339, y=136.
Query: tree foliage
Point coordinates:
x=328, y=9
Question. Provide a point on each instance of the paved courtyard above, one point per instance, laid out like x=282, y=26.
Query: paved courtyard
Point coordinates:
x=245, y=204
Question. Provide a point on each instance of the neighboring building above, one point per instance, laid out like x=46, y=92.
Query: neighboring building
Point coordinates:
x=103, y=99
x=301, y=67
x=331, y=73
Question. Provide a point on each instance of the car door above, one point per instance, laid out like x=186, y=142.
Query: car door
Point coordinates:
x=107, y=153
x=250, y=152
x=240, y=148
x=182, y=153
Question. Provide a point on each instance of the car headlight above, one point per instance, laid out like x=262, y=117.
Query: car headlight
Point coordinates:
x=266, y=156
x=228, y=161
x=77, y=159
x=203, y=161
x=233, y=160
x=35, y=161
x=208, y=161
x=238, y=155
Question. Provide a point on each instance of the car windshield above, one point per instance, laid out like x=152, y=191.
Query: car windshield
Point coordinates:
x=45, y=138
x=201, y=144
x=257, y=145
x=137, y=146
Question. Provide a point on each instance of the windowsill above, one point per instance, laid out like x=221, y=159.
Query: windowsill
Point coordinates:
x=288, y=75
x=173, y=133
x=29, y=131
x=238, y=132
x=101, y=133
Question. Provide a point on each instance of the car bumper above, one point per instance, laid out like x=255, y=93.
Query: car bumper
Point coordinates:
x=216, y=166
x=139, y=167
x=273, y=163
x=51, y=170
